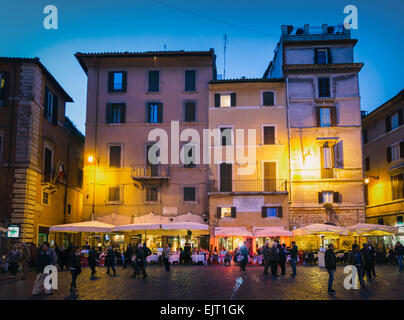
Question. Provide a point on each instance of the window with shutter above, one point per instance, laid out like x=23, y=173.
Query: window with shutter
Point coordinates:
x=154, y=81
x=233, y=101
x=225, y=100
x=322, y=56
x=397, y=186
x=116, y=113
x=395, y=152
x=324, y=117
x=189, y=194
x=190, y=80
x=151, y=194
x=268, y=98
x=269, y=176
x=394, y=120
x=50, y=107
x=224, y=212
x=233, y=212
x=226, y=136
x=117, y=81
x=115, y=156
x=189, y=111
x=270, y=212
x=154, y=113
x=324, y=87
x=217, y=100
x=226, y=177
x=280, y=212
x=47, y=167
x=189, y=156
x=114, y=194
x=336, y=197
x=269, y=135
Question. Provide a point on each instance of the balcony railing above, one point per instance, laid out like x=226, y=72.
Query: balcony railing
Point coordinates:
x=248, y=186
x=150, y=172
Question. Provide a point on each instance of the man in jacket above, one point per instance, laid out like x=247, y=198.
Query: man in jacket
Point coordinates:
x=52, y=253
x=42, y=260
x=282, y=257
x=399, y=252
x=140, y=262
x=92, y=261
x=367, y=267
x=166, y=256
x=373, y=262
x=274, y=259
x=265, y=254
x=293, y=258
x=110, y=260
x=74, y=266
x=244, y=254
x=357, y=259
x=128, y=256
x=330, y=265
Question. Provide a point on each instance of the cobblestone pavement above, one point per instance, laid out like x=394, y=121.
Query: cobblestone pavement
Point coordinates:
x=210, y=282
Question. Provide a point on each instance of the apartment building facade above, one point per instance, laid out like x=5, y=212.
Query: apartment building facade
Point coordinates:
x=383, y=164
x=40, y=152
x=247, y=194
x=324, y=121
x=130, y=95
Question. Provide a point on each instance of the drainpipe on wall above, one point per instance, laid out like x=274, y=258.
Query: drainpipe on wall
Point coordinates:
x=67, y=183
x=289, y=146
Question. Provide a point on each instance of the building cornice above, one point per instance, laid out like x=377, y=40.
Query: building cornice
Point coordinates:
x=322, y=68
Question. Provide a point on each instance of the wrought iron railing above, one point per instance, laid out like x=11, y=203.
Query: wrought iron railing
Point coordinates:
x=262, y=185
x=150, y=171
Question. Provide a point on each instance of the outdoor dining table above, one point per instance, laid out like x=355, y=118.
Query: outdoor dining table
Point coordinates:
x=153, y=257
x=198, y=258
x=174, y=258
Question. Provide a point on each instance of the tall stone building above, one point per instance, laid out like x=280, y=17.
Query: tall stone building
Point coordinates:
x=324, y=121
x=40, y=151
x=248, y=196
x=129, y=95
x=383, y=158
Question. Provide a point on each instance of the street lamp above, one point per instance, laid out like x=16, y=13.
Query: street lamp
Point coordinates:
x=90, y=158
x=367, y=179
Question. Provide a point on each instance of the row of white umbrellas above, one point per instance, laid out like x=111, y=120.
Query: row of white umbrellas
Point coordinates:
x=363, y=229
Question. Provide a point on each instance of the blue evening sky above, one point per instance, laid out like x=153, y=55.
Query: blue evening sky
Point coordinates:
x=143, y=25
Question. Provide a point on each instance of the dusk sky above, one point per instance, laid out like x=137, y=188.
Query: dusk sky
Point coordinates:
x=144, y=25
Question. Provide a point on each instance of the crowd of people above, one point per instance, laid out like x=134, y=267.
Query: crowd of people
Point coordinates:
x=135, y=256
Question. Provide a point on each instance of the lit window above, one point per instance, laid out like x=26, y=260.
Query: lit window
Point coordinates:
x=397, y=186
x=271, y=212
x=327, y=157
x=225, y=100
x=117, y=80
x=327, y=197
x=114, y=194
x=395, y=120
x=225, y=212
x=395, y=152
x=325, y=117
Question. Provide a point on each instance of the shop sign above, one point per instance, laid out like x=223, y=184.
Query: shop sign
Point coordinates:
x=13, y=231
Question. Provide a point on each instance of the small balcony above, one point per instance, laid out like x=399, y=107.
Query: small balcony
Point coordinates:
x=151, y=173
x=249, y=186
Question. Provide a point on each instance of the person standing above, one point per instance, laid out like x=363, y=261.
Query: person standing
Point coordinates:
x=265, y=253
x=92, y=261
x=293, y=258
x=282, y=258
x=368, y=261
x=399, y=252
x=110, y=260
x=52, y=253
x=274, y=258
x=166, y=255
x=13, y=259
x=74, y=267
x=25, y=259
x=373, y=261
x=244, y=255
x=128, y=256
x=357, y=259
x=42, y=260
x=331, y=266
x=140, y=262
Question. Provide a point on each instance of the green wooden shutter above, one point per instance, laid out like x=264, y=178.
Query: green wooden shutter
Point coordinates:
x=46, y=110
x=388, y=153
x=110, y=81
x=217, y=100
x=320, y=197
x=124, y=80
x=264, y=212
x=160, y=113
x=316, y=56
x=109, y=113
x=219, y=212
x=123, y=113
x=279, y=212
x=55, y=110
x=335, y=197
x=333, y=113
x=388, y=124
x=329, y=55
x=233, y=102
x=233, y=212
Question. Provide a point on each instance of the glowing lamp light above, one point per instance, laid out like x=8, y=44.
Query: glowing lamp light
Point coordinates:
x=90, y=158
x=367, y=180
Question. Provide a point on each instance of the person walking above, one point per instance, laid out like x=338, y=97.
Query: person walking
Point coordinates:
x=293, y=258
x=357, y=259
x=274, y=259
x=140, y=262
x=25, y=260
x=331, y=266
x=92, y=261
x=13, y=259
x=367, y=266
x=52, y=253
x=244, y=255
x=282, y=258
x=128, y=256
x=265, y=254
x=166, y=256
x=110, y=260
x=399, y=253
x=42, y=260
x=74, y=266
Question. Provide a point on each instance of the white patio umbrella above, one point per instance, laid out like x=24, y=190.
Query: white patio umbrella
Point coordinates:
x=320, y=229
x=87, y=226
x=367, y=229
x=232, y=232
x=138, y=226
x=271, y=232
x=185, y=226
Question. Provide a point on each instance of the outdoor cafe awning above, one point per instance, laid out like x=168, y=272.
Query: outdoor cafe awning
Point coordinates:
x=367, y=229
x=185, y=226
x=232, y=232
x=87, y=226
x=320, y=229
x=138, y=226
x=271, y=232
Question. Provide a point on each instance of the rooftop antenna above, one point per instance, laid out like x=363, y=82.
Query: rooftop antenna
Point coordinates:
x=225, y=42
x=165, y=47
